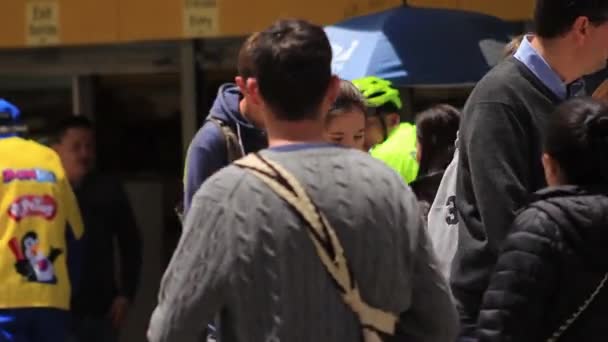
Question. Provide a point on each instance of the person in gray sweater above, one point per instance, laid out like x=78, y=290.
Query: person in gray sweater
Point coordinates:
x=501, y=134
x=246, y=256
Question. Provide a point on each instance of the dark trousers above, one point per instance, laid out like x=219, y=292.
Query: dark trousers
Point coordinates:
x=33, y=325
x=468, y=318
x=89, y=329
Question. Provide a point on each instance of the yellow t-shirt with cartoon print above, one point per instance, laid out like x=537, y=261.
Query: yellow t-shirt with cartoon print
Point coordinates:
x=37, y=205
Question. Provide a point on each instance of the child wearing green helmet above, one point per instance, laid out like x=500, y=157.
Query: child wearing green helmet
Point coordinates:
x=387, y=138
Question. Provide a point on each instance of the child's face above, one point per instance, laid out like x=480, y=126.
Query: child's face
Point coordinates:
x=347, y=129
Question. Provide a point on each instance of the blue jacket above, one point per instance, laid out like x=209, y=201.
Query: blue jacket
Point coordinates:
x=207, y=152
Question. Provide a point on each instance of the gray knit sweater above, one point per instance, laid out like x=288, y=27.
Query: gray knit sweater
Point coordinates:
x=245, y=255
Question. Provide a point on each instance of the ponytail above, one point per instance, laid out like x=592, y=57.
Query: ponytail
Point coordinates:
x=576, y=136
x=597, y=135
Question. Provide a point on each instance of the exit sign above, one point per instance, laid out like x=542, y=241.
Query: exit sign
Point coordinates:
x=42, y=22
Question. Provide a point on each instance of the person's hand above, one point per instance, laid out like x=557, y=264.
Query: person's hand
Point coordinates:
x=118, y=312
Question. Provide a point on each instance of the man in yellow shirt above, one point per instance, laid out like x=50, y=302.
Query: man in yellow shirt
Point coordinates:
x=386, y=137
x=38, y=216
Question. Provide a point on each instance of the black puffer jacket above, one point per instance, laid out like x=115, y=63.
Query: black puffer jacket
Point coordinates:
x=552, y=261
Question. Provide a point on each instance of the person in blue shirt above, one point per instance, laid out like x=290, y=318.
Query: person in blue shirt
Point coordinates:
x=500, y=139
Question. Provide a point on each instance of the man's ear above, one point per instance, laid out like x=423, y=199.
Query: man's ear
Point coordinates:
x=394, y=119
x=252, y=91
x=331, y=94
x=580, y=29
x=333, y=90
x=241, y=83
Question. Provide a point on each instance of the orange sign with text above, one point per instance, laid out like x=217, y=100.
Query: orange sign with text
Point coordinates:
x=76, y=22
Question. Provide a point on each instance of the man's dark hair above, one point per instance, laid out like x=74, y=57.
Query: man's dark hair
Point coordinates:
x=577, y=138
x=554, y=18
x=388, y=108
x=68, y=123
x=436, y=130
x=244, y=63
x=292, y=64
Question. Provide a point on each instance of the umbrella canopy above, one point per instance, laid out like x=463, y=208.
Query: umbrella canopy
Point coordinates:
x=419, y=46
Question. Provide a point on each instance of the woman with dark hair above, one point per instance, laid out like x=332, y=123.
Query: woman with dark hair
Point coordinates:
x=345, y=122
x=549, y=281
x=436, y=130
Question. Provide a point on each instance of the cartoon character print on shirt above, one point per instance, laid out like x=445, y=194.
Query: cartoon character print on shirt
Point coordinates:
x=31, y=262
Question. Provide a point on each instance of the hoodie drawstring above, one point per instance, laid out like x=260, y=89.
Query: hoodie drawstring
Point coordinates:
x=238, y=133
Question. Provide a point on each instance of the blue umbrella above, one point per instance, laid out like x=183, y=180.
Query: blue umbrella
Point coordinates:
x=418, y=46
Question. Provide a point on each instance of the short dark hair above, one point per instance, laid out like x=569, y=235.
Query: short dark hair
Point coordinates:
x=388, y=108
x=349, y=98
x=244, y=63
x=436, y=130
x=577, y=138
x=292, y=64
x=553, y=18
x=68, y=123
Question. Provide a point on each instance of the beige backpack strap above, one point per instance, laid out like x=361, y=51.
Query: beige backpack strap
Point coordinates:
x=233, y=148
x=326, y=242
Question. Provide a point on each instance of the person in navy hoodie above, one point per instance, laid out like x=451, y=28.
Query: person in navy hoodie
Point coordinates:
x=233, y=128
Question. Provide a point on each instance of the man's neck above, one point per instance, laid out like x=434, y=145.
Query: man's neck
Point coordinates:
x=282, y=133
x=393, y=129
x=559, y=58
x=248, y=116
x=76, y=182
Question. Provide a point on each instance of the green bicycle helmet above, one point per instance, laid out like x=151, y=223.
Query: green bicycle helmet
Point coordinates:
x=378, y=92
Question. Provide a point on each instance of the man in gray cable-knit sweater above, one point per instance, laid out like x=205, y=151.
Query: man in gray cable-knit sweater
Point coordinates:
x=246, y=255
